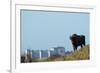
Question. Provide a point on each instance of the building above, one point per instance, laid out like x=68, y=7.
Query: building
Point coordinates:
x=38, y=54
x=28, y=55
x=35, y=54
x=44, y=53
x=59, y=51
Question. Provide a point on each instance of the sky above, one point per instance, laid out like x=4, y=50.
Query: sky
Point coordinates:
x=41, y=30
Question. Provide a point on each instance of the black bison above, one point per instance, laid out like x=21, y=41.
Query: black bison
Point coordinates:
x=77, y=40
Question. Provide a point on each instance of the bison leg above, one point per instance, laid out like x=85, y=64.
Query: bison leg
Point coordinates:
x=81, y=46
x=84, y=43
x=75, y=48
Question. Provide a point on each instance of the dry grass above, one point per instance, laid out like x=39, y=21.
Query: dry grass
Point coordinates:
x=81, y=54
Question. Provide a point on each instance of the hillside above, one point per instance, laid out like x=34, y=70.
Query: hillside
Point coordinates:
x=81, y=54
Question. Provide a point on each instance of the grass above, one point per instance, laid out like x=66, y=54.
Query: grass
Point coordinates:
x=39, y=60
x=80, y=54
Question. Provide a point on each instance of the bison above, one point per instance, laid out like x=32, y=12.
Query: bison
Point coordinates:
x=77, y=40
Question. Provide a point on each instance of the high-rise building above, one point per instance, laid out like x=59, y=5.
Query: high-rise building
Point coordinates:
x=28, y=55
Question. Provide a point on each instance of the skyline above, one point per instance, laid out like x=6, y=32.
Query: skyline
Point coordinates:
x=47, y=29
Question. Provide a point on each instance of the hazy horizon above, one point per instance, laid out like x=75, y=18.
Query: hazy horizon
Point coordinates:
x=47, y=29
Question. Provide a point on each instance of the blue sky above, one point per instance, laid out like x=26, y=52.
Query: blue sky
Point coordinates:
x=47, y=29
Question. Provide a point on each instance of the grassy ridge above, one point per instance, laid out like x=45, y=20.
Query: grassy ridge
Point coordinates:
x=81, y=54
